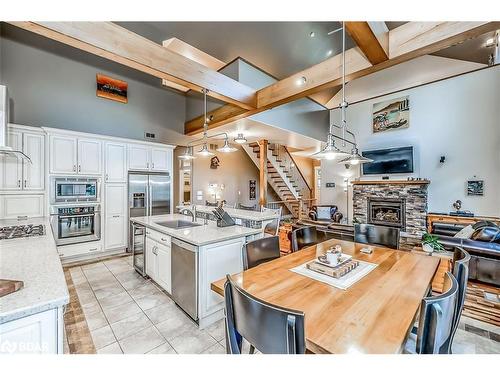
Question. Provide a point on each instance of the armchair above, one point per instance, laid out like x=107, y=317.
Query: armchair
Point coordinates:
x=325, y=213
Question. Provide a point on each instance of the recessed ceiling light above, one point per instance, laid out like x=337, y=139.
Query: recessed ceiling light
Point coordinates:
x=301, y=81
x=329, y=52
x=312, y=34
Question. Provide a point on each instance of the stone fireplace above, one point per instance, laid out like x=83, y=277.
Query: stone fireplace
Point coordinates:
x=401, y=204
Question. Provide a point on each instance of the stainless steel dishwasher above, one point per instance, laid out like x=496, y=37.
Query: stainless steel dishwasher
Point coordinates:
x=185, y=277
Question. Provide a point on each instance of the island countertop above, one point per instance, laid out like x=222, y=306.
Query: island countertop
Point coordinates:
x=236, y=213
x=35, y=261
x=198, y=236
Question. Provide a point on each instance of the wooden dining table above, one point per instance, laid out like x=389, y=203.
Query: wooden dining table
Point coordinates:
x=374, y=315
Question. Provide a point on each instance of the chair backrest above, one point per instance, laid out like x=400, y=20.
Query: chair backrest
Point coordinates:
x=376, y=235
x=303, y=237
x=461, y=260
x=248, y=208
x=270, y=329
x=435, y=327
x=273, y=227
x=260, y=251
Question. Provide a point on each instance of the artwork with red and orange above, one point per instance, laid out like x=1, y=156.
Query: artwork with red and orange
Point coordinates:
x=111, y=88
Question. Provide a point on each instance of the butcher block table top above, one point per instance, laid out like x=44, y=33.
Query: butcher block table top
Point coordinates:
x=372, y=316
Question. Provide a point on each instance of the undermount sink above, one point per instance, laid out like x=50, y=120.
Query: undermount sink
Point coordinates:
x=177, y=224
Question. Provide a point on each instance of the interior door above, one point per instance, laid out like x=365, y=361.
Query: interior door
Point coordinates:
x=89, y=156
x=34, y=176
x=160, y=194
x=11, y=168
x=63, y=151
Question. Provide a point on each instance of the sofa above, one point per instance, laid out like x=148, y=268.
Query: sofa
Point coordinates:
x=483, y=245
x=325, y=213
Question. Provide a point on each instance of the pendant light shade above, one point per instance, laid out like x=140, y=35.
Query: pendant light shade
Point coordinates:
x=204, y=151
x=240, y=139
x=330, y=151
x=188, y=154
x=227, y=148
x=355, y=158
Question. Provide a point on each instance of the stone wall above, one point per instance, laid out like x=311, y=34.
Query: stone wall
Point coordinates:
x=415, y=196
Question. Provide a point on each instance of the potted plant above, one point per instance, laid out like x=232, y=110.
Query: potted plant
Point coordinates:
x=430, y=243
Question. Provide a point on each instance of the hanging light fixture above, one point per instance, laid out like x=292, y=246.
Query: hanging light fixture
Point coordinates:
x=240, y=139
x=227, y=147
x=355, y=158
x=204, y=151
x=330, y=151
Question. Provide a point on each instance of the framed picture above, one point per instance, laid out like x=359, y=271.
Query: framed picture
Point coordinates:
x=391, y=114
x=253, y=187
x=111, y=88
x=475, y=187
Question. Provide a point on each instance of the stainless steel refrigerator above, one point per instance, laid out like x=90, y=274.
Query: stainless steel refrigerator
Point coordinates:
x=148, y=195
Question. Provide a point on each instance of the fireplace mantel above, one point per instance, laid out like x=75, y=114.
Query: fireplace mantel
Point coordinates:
x=391, y=182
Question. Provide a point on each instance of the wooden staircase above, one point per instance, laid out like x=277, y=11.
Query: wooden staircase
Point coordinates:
x=280, y=178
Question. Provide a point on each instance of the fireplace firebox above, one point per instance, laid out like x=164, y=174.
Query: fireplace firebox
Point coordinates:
x=387, y=211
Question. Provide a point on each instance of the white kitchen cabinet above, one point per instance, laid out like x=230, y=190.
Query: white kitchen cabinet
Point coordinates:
x=163, y=267
x=139, y=157
x=89, y=156
x=115, y=224
x=215, y=262
x=158, y=259
x=79, y=250
x=160, y=159
x=115, y=162
x=72, y=155
x=15, y=206
x=16, y=174
x=63, y=154
x=34, y=172
x=11, y=175
x=40, y=333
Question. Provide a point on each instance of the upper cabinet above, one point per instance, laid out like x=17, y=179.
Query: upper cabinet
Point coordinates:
x=115, y=169
x=72, y=155
x=16, y=174
x=149, y=158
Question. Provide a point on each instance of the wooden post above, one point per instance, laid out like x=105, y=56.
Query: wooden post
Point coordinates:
x=263, y=172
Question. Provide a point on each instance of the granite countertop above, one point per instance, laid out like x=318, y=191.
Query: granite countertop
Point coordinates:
x=236, y=213
x=35, y=261
x=198, y=236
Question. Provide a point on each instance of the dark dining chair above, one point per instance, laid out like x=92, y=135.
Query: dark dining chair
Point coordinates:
x=435, y=327
x=269, y=328
x=260, y=251
x=461, y=260
x=303, y=237
x=376, y=235
x=272, y=228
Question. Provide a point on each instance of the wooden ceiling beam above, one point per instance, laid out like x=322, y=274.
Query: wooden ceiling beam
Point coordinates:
x=113, y=42
x=406, y=42
x=366, y=40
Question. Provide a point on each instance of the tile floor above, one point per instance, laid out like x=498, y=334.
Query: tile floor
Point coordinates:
x=128, y=314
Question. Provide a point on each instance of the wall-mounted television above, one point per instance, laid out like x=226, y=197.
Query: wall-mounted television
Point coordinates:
x=389, y=161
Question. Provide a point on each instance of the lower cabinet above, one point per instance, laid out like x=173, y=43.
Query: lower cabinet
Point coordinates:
x=158, y=259
x=80, y=250
x=40, y=333
x=115, y=221
x=20, y=205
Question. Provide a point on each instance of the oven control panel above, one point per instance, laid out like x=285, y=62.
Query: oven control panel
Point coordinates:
x=76, y=210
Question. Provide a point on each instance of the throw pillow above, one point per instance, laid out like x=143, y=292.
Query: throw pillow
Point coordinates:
x=466, y=232
x=323, y=213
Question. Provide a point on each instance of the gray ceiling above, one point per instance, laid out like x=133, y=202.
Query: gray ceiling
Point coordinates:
x=279, y=48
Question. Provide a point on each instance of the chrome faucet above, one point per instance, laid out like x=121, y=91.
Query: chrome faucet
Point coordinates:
x=191, y=211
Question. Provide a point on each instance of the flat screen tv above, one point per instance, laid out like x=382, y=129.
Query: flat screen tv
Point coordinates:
x=389, y=161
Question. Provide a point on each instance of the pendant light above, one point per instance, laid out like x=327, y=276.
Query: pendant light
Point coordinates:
x=204, y=151
x=355, y=158
x=240, y=139
x=227, y=148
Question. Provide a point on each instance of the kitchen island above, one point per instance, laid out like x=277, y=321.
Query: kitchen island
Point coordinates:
x=31, y=319
x=184, y=261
